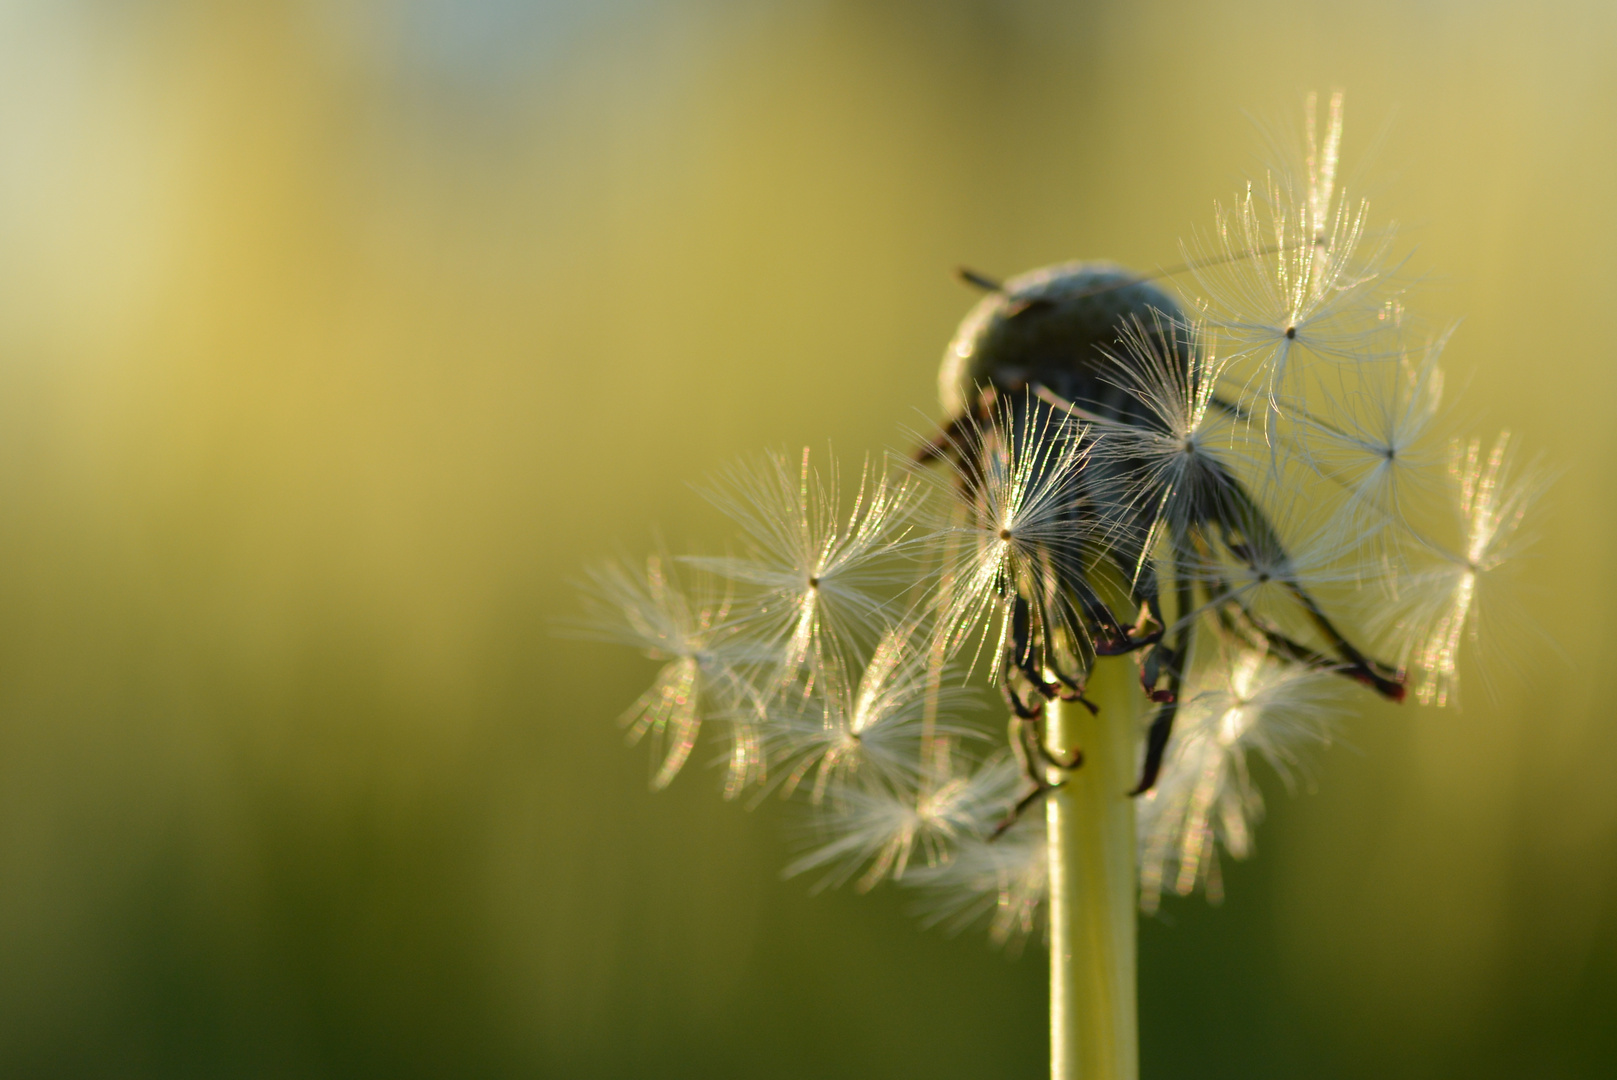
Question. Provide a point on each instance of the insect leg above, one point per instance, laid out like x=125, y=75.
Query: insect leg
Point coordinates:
x=1018, y=743
x=1384, y=680
x=1021, y=657
x=1128, y=644
x=1021, y=807
x=1285, y=646
x=1014, y=702
x=1027, y=743
x=1156, y=739
x=1128, y=555
x=1257, y=534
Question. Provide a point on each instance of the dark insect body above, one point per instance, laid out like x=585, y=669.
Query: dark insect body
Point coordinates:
x=1037, y=351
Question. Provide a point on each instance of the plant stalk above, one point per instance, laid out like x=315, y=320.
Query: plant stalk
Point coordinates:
x=1094, y=1021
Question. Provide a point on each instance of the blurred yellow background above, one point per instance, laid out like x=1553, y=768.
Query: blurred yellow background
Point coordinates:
x=337, y=337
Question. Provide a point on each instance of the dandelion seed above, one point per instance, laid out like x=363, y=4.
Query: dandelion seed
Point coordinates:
x=1448, y=600
x=871, y=730
x=1174, y=458
x=877, y=830
x=1377, y=445
x=1025, y=534
x=1297, y=269
x=1004, y=881
x=703, y=674
x=824, y=579
x=1253, y=702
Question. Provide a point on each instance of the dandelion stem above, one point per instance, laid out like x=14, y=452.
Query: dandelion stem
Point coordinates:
x=1094, y=1030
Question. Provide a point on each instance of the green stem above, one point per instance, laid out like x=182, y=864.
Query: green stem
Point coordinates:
x=1094, y=1027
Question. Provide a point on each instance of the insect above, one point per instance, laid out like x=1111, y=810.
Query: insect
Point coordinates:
x=1080, y=340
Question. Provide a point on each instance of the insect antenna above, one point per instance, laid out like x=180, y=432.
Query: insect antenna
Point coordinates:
x=978, y=281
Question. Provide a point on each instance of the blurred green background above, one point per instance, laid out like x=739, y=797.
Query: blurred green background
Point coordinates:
x=336, y=337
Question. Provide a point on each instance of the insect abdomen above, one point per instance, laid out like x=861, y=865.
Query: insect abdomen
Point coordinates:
x=1050, y=327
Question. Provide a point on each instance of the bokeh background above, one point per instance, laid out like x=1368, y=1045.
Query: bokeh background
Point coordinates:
x=337, y=337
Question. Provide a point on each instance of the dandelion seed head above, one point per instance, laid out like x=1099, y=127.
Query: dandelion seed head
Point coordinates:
x=1241, y=484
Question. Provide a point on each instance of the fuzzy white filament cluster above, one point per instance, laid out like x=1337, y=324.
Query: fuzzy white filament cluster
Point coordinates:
x=1280, y=454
